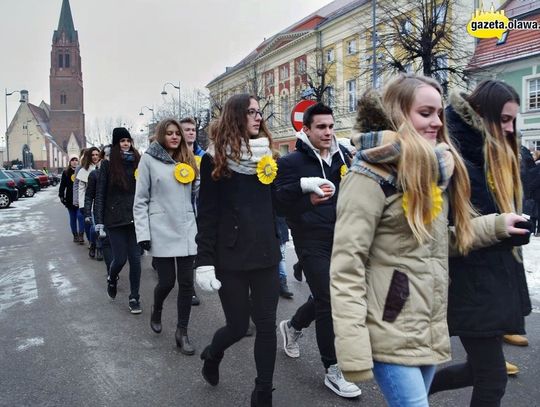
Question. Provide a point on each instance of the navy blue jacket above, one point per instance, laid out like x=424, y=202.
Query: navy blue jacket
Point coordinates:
x=488, y=293
x=307, y=222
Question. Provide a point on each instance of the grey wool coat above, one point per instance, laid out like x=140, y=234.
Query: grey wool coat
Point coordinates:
x=163, y=207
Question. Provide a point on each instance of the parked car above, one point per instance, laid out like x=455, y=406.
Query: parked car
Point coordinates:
x=8, y=190
x=20, y=182
x=41, y=176
x=54, y=179
x=32, y=183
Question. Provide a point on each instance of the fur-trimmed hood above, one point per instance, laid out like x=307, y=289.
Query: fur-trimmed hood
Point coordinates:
x=371, y=115
x=466, y=128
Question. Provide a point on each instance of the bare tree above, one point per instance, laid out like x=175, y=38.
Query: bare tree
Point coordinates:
x=420, y=35
x=99, y=132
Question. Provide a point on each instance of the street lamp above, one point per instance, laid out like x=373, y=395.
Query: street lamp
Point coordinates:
x=153, y=117
x=6, y=94
x=164, y=92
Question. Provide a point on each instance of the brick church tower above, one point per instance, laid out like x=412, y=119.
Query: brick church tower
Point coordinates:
x=66, y=84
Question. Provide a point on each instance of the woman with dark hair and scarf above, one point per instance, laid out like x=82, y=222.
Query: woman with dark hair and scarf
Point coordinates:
x=113, y=210
x=238, y=248
x=65, y=193
x=488, y=295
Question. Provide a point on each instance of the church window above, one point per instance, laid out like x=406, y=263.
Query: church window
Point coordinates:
x=66, y=60
x=60, y=60
x=63, y=99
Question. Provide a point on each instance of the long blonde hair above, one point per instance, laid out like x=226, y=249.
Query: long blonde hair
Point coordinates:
x=501, y=152
x=418, y=167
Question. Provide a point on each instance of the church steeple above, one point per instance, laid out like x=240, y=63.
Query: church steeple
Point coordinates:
x=66, y=83
x=65, y=24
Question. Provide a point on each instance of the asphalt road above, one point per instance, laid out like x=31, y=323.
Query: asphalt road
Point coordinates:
x=64, y=343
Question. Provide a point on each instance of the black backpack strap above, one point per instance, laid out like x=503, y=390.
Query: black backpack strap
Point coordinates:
x=388, y=188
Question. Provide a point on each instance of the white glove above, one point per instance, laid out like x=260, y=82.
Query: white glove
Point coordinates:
x=100, y=231
x=206, y=278
x=313, y=184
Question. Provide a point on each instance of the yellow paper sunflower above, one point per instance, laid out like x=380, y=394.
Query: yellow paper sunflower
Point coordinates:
x=343, y=170
x=72, y=177
x=198, y=160
x=136, y=173
x=266, y=169
x=184, y=173
x=436, y=203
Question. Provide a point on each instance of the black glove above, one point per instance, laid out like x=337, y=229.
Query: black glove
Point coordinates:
x=88, y=220
x=521, y=240
x=63, y=200
x=145, y=245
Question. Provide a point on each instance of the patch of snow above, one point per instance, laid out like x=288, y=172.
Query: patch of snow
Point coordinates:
x=18, y=286
x=30, y=342
x=531, y=261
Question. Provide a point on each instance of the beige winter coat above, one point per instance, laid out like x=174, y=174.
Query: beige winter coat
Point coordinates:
x=372, y=240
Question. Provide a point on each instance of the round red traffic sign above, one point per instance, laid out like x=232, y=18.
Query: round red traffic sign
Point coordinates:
x=297, y=113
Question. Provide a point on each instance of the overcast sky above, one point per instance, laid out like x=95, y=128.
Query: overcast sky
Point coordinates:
x=130, y=48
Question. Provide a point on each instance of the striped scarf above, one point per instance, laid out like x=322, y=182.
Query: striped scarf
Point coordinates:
x=378, y=156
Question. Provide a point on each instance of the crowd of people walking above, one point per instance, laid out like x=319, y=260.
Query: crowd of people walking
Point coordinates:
x=414, y=237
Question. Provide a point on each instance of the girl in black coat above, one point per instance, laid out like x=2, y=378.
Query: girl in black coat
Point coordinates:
x=113, y=210
x=488, y=295
x=238, y=248
x=65, y=193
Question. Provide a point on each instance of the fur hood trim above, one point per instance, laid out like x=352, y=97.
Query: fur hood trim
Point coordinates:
x=464, y=110
x=371, y=115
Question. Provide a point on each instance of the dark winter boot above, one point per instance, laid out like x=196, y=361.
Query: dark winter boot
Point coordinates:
x=284, y=289
x=261, y=395
x=75, y=238
x=297, y=271
x=210, y=370
x=182, y=341
x=99, y=255
x=92, y=250
x=155, y=320
x=81, y=238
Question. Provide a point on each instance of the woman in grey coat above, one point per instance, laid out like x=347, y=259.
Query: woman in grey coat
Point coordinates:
x=165, y=221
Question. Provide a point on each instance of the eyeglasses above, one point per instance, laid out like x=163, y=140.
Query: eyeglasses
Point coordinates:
x=253, y=113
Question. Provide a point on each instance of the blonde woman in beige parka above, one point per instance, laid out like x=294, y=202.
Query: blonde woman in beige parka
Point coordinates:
x=389, y=267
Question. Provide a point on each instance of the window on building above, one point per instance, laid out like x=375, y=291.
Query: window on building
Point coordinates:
x=270, y=110
x=63, y=99
x=285, y=111
x=533, y=94
x=439, y=14
x=351, y=47
x=331, y=96
x=407, y=68
x=269, y=78
x=351, y=95
x=301, y=66
x=536, y=145
x=378, y=79
x=284, y=72
x=330, y=55
x=60, y=60
x=67, y=60
x=406, y=26
x=441, y=74
x=284, y=149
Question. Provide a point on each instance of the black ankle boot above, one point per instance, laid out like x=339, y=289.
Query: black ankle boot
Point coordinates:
x=261, y=396
x=182, y=341
x=155, y=320
x=210, y=369
x=284, y=289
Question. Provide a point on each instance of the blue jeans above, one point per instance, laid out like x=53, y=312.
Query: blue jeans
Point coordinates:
x=404, y=386
x=282, y=266
x=73, y=219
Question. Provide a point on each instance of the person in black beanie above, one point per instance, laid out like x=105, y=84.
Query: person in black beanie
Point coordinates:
x=113, y=209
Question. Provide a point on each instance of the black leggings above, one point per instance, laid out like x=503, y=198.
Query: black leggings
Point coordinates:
x=485, y=370
x=168, y=270
x=238, y=304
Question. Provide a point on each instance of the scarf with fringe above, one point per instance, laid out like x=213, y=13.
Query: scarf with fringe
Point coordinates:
x=247, y=164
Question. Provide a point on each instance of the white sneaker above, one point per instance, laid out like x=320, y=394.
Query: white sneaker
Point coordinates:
x=290, y=337
x=335, y=381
